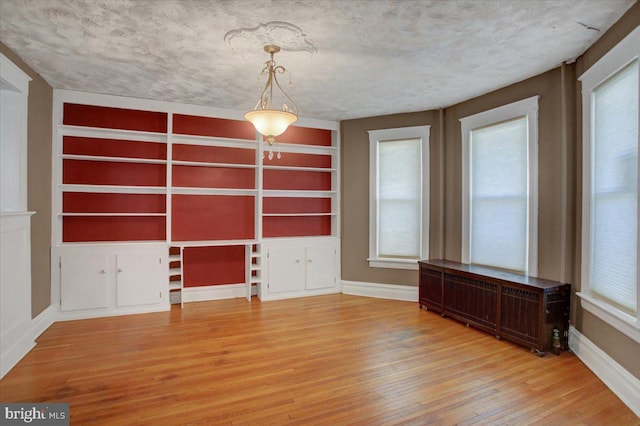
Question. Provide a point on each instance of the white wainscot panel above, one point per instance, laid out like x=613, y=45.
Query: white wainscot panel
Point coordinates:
x=16, y=338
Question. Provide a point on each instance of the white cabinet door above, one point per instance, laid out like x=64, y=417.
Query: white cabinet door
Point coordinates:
x=84, y=281
x=139, y=279
x=321, y=266
x=286, y=269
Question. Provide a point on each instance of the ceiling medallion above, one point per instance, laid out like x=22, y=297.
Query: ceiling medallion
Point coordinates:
x=288, y=36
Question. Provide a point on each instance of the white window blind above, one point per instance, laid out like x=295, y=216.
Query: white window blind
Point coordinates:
x=613, y=257
x=499, y=195
x=399, y=198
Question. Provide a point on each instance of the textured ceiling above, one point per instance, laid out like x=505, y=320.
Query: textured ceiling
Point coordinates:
x=347, y=58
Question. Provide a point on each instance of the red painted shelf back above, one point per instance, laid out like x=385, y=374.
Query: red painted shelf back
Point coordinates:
x=215, y=127
x=87, y=228
x=301, y=226
x=113, y=173
x=214, y=154
x=299, y=160
x=297, y=180
x=87, y=202
x=212, y=217
x=305, y=136
x=204, y=266
x=114, y=148
x=296, y=205
x=114, y=118
x=213, y=177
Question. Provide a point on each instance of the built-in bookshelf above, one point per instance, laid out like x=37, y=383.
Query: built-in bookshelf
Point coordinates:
x=300, y=188
x=142, y=172
x=214, y=174
x=113, y=183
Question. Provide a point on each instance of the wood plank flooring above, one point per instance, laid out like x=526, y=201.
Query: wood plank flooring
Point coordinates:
x=326, y=360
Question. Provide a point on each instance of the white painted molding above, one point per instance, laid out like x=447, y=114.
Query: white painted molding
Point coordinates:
x=624, y=384
x=44, y=320
x=16, y=352
x=213, y=292
x=15, y=100
x=423, y=134
x=13, y=354
x=618, y=319
x=381, y=291
x=621, y=55
x=109, y=312
x=526, y=107
x=15, y=289
x=14, y=75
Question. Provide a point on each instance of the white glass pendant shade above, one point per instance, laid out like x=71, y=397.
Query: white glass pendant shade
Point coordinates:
x=270, y=123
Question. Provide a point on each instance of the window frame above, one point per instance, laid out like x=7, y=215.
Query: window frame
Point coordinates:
x=623, y=54
x=524, y=108
x=385, y=135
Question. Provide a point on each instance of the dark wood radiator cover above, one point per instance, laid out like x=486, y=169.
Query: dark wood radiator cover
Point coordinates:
x=515, y=307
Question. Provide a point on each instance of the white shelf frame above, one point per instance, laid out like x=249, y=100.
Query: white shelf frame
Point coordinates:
x=296, y=214
x=115, y=214
x=300, y=168
x=212, y=243
x=169, y=138
x=103, y=133
x=111, y=189
x=112, y=159
x=181, y=190
x=295, y=193
x=208, y=164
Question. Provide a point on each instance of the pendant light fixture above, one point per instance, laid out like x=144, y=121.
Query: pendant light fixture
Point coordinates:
x=265, y=117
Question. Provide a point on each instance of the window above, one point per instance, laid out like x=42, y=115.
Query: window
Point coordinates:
x=398, y=197
x=499, y=187
x=610, y=210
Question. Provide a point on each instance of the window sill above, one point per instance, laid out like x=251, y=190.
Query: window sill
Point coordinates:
x=616, y=318
x=394, y=263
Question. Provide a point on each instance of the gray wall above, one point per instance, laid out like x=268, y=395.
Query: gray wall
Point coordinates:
x=39, y=182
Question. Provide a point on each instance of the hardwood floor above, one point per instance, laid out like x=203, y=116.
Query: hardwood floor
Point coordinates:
x=326, y=360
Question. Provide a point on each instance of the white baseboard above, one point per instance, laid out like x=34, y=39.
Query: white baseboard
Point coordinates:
x=14, y=345
x=624, y=384
x=22, y=345
x=267, y=297
x=212, y=292
x=114, y=312
x=381, y=291
x=43, y=321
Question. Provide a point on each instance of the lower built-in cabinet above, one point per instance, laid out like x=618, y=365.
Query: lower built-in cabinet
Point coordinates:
x=515, y=307
x=299, y=267
x=113, y=279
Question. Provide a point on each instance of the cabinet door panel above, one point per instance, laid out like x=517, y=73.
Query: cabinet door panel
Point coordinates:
x=430, y=290
x=139, y=279
x=84, y=282
x=286, y=269
x=321, y=266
